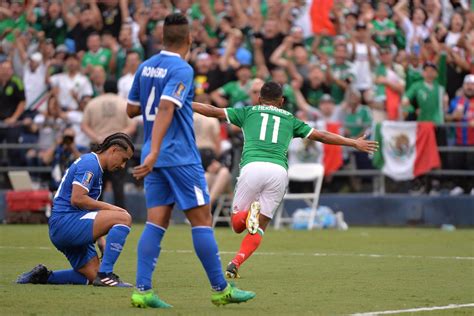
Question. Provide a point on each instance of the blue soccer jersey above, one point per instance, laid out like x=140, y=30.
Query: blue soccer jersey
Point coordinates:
x=85, y=172
x=166, y=76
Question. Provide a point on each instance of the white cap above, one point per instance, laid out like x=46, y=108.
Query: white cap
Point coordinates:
x=203, y=56
x=469, y=79
x=36, y=57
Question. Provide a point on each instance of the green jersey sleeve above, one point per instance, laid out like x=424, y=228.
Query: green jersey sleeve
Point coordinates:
x=301, y=129
x=410, y=95
x=235, y=116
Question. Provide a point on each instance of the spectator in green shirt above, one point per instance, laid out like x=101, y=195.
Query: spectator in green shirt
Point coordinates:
x=358, y=117
x=389, y=87
x=52, y=23
x=14, y=18
x=235, y=93
x=279, y=76
x=315, y=86
x=411, y=65
x=383, y=29
x=121, y=49
x=426, y=100
x=96, y=54
x=339, y=73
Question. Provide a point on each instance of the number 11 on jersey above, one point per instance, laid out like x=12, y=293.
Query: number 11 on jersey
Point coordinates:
x=276, y=126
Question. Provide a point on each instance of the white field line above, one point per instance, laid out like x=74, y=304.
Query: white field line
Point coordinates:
x=414, y=310
x=290, y=254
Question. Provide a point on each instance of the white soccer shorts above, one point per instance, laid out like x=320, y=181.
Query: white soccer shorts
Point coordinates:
x=264, y=182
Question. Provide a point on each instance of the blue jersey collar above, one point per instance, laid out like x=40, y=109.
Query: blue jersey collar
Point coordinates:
x=98, y=161
x=165, y=52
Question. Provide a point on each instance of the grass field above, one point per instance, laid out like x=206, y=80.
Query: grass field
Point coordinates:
x=295, y=272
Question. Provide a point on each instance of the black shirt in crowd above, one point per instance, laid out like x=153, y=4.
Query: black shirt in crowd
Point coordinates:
x=10, y=96
x=111, y=19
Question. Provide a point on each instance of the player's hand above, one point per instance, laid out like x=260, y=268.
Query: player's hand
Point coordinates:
x=146, y=167
x=368, y=146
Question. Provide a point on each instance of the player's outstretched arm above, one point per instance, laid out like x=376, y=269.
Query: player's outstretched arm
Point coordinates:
x=160, y=127
x=368, y=146
x=208, y=110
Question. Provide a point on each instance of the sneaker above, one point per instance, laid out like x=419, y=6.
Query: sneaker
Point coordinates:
x=252, y=218
x=110, y=279
x=232, y=271
x=230, y=295
x=144, y=299
x=38, y=275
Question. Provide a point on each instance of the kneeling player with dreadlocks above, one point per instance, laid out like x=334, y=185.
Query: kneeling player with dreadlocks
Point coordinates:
x=268, y=130
x=78, y=219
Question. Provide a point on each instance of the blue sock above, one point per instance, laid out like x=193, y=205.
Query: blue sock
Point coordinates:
x=148, y=251
x=206, y=249
x=66, y=277
x=113, y=247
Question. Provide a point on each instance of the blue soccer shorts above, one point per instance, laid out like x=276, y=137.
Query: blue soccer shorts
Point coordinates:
x=72, y=234
x=184, y=185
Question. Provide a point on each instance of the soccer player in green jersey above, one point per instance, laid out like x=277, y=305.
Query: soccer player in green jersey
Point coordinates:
x=268, y=130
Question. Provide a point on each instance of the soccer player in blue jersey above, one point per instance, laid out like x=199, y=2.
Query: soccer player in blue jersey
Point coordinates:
x=162, y=93
x=78, y=219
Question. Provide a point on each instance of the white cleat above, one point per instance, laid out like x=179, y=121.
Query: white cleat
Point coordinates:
x=252, y=218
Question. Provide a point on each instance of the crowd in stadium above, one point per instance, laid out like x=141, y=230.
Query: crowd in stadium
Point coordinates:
x=66, y=68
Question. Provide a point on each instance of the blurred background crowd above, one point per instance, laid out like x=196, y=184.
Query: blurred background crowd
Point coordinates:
x=66, y=68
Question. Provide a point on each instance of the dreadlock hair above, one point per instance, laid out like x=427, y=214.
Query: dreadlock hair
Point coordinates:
x=121, y=140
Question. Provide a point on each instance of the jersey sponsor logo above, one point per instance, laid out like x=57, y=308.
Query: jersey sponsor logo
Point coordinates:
x=154, y=72
x=178, y=91
x=87, y=178
x=116, y=247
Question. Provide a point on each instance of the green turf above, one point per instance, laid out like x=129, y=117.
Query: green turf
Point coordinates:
x=289, y=279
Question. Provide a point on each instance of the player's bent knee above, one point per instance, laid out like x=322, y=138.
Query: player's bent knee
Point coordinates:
x=127, y=219
x=123, y=219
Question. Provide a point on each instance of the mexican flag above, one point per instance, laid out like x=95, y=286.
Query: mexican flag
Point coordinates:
x=407, y=149
x=315, y=18
x=308, y=151
x=332, y=158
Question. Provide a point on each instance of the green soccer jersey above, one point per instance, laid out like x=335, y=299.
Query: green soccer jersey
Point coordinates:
x=268, y=131
x=429, y=99
x=358, y=121
x=341, y=72
x=413, y=75
x=8, y=26
x=238, y=94
x=290, y=98
x=383, y=26
x=100, y=58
